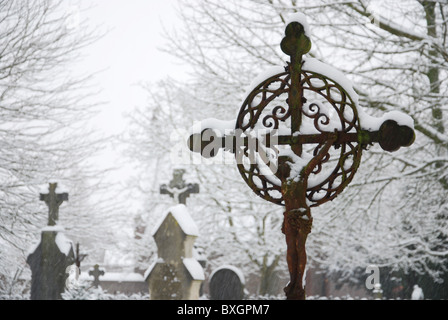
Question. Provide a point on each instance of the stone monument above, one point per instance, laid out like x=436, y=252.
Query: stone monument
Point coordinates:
x=53, y=254
x=176, y=275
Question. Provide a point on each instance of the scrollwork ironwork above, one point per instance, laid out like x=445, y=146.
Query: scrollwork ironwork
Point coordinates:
x=327, y=108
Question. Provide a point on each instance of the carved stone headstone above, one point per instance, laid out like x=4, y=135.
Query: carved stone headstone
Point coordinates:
x=226, y=283
x=176, y=275
x=52, y=255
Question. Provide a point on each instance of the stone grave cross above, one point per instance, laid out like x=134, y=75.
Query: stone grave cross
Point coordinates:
x=96, y=272
x=53, y=254
x=53, y=200
x=178, y=189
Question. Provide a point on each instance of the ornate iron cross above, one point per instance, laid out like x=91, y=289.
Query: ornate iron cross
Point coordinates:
x=178, y=189
x=311, y=145
x=53, y=200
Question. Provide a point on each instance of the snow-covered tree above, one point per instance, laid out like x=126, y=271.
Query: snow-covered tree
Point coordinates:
x=44, y=107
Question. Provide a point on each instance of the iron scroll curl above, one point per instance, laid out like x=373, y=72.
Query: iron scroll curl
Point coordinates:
x=327, y=109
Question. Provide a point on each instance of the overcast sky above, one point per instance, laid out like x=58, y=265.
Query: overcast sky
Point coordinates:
x=128, y=54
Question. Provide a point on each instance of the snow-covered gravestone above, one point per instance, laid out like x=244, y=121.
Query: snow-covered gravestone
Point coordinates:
x=53, y=254
x=176, y=274
x=298, y=139
x=226, y=283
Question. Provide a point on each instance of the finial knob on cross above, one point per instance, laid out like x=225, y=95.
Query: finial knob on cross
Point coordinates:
x=96, y=272
x=298, y=140
x=178, y=189
x=53, y=201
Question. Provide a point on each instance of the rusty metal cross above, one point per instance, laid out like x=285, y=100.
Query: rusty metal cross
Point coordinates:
x=313, y=135
x=53, y=201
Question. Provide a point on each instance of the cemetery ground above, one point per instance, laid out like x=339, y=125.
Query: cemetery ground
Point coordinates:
x=180, y=272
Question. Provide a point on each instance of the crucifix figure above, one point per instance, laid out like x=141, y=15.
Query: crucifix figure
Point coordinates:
x=178, y=189
x=96, y=273
x=298, y=140
x=53, y=201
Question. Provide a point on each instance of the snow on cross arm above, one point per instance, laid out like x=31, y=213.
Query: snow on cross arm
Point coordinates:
x=367, y=122
x=316, y=66
x=63, y=243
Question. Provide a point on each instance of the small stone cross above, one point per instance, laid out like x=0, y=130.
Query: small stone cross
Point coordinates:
x=178, y=189
x=96, y=273
x=53, y=200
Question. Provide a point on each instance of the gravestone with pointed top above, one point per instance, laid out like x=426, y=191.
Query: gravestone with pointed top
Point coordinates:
x=53, y=254
x=176, y=275
x=178, y=189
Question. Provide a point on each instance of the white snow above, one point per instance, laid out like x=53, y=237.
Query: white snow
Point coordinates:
x=56, y=228
x=122, y=277
x=238, y=272
x=300, y=18
x=43, y=189
x=149, y=270
x=61, y=188
x=417, y=293
x=371, y=123
x=176, y=192
x=182, y=216
x=316, y=66
x=115, y=276
x=367, y=122
x=220, y=126
x=63, y=243
x=33, y=248
x=199, y=254
x=266, y=74
x=61, y=240
x=297, y=163
x=194, y=268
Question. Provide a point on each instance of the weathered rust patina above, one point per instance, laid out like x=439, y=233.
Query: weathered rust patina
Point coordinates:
x=299, y=99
